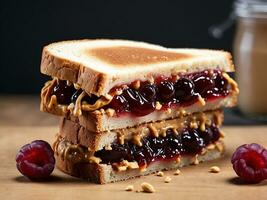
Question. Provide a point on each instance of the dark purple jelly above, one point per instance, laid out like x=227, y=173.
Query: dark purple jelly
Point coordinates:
x=141, y=102
x=63, y=92
x=68, y=94
x=138, y=104
x=165, y=91
x=190, y=142
x=148, y=91
x=182, y=92
x=120, y=103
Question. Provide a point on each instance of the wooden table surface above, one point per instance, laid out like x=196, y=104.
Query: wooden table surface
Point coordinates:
x=195, y=182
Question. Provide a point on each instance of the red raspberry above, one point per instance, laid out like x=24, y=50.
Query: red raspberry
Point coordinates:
x=36, y=160
x=250, y=162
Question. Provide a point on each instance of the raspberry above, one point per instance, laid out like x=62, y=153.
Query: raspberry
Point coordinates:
x=250, y=162
x=36, y=160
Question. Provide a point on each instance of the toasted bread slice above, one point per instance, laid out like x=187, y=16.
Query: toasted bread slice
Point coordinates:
x=99, y=65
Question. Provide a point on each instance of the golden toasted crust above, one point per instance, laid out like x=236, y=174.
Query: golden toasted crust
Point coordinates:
x=122, y=57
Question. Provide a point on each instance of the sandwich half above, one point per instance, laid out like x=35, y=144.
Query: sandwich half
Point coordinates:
x=116, y=155
x=113, y=84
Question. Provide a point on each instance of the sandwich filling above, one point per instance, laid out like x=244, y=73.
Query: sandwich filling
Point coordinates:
x=187, y=142
x=142, y=98
x=161, y=143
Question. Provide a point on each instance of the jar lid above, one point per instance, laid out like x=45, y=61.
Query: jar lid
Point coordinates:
x=251, y=8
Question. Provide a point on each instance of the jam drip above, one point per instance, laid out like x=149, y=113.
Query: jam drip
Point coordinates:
x=189, y=142
x=167, y=91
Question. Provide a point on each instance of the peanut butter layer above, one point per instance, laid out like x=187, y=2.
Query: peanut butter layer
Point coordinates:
x=50, y=101
x=94, y=141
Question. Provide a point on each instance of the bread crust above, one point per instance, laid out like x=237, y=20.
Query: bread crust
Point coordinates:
x=102, y=173
x=98, y=82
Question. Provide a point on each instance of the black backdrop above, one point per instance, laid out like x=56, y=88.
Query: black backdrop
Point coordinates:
x=26, y=26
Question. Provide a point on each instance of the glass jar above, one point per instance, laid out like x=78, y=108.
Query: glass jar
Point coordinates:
x=250, y=56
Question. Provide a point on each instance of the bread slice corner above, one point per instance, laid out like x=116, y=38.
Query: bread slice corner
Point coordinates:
x=98, y=65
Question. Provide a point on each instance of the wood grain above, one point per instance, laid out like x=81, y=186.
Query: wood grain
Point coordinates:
x=24, y=110
x=194, y=182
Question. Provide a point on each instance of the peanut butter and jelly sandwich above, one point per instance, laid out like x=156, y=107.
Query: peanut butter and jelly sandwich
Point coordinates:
x=132, y=108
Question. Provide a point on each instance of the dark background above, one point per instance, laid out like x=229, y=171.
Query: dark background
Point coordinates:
x=26, y=26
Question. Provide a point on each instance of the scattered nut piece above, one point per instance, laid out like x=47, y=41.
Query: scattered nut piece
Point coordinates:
x=94, y=159
x=122, y=168
x=201, y=101
x=160, y=173
x=214, y=169
x=167, y=179
x=133, y=165
x=102, y=111
x=210, y=147
x=110, y=112
x=136, y=85
x=71, y=107
x=193, y=125
x=129, y=188
x=202, y=126
x=63, y=108
x=143, y=168
x=108, y=97
x=137, y=140
x=194, y=160
x=118, y=92
x=183, y=112
x=203, y=151
x=169, y=111
x=121, y=138
x=177, y=172
x=178, y=159
x=148, y=188
x=151, y=79
x=219, y=146
x=175, y=131
x=158, y=105
x=108, y=147
x=76, y=86
x=153, y=130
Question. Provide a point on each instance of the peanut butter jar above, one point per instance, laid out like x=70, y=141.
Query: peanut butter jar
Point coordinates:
x=250, y=53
